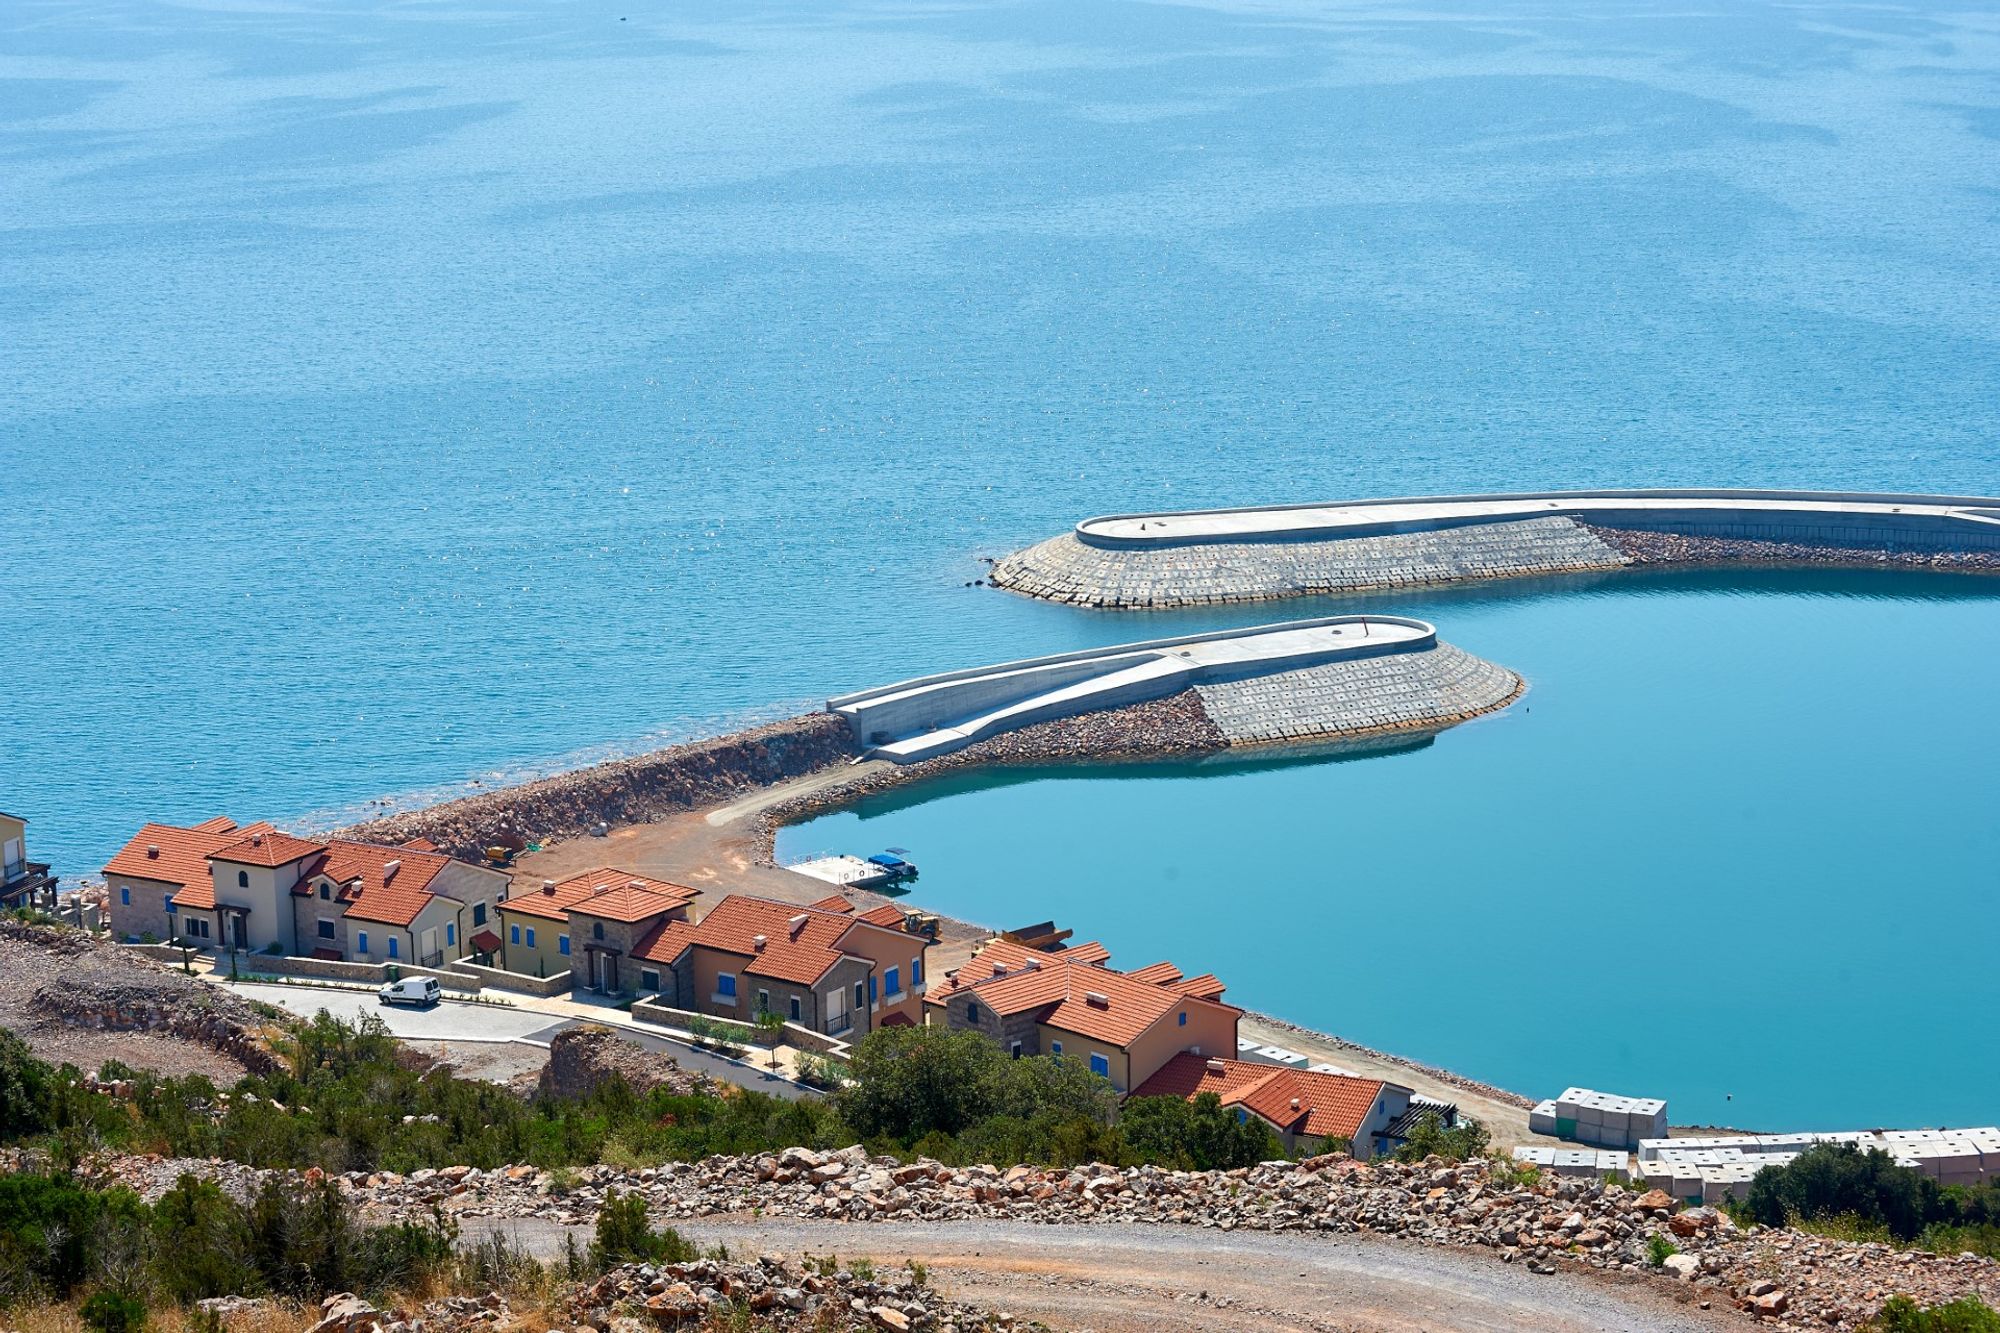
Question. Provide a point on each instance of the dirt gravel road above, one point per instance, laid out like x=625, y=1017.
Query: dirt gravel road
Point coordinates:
x=1157, y=1279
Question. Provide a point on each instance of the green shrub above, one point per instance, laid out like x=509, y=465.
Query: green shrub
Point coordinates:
x=624, y=1236
x=1831, y=1180
x=1900, y=1314
x=1659, y=1249
x=109, y=1312
x=1195, y=1136
x=1429, y=1137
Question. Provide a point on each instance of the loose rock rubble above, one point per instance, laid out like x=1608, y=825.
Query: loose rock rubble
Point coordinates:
x=638, y=790
x=1668, y=548
x=582, y=1058
x=781, y=1294
x=1546, y=1226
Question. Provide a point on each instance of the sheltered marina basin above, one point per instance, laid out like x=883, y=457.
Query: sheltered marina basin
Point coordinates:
x=1224, y=555
x=1329, y=677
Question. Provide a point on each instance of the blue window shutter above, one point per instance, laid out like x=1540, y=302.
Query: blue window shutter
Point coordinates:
x=562, y=945
x=513, y=934
x=871, y=989
x=361, y=942
x=531, y=937
x=1183, y=1018
x=125, y=897
x=451, y=932
x=916, y=971
x=1100, y=1065
x=892, y=984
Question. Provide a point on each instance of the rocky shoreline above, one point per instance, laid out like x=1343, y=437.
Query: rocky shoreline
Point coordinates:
x=1667, y=548
x=1547, y=1225
x=623, y=791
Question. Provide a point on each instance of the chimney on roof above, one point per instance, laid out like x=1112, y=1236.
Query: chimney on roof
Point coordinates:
x=389, y=869
x=1295, y=1103
x=152, y=851
x=1217, y=1067
x=758, y=942
x=256, y=840
x=797, y=923
x=635, y=884
x=1097, y=999
x=999, y=968
x=549, y=887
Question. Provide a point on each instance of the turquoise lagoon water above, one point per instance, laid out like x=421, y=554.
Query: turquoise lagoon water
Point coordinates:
x=397, y=395
x=1735, y=847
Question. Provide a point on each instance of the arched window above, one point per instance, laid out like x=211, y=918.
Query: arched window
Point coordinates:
x=242, y=879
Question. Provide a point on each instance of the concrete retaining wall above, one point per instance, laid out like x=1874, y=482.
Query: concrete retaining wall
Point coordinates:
x=799, y=1038
x=328, y=969
x=495, y=978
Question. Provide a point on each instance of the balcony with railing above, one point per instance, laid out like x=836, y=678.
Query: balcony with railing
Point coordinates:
x=431, y=959
x=26, y=882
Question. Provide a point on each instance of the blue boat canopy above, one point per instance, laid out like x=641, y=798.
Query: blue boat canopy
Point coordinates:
x=884, y=859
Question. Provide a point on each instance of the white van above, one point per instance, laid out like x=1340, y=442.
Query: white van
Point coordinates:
x=412, y=990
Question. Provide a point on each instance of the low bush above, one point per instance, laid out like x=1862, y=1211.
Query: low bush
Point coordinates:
x=1900, y=1314
x=1430, y=1138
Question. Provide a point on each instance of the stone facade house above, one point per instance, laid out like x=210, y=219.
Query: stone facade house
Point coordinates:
x=23, y=883
x=831, y=971
x=1069, y=1002
x=218, y=886
x=588, y=925
x=1306, y=1108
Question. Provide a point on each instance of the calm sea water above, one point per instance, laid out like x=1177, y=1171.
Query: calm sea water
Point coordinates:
x=402, y=394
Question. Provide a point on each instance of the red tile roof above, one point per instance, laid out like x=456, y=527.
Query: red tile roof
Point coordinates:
x=486, y=941
x=1069, y=989
x=615, y=895
x=1297, y=1100
x=800, y=955
x=1160, y=974
x=887, y=915
x=267, y=849
x=422, y=845
x=365, y=883
x=833, y=903
x=897, y=1019
x=180, y=857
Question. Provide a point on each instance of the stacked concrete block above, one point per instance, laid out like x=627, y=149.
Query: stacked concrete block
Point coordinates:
x=1336, y=1069
x=1602, y=1118
x=1699, y=1167
x=1583, y=1163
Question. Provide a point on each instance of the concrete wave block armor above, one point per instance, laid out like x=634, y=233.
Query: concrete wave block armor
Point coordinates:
x=1307, y=679
x=1064, y=569
x=1235, y=555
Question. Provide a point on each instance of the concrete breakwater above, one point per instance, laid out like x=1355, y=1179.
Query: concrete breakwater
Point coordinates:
x=1305, y=679
x=1234, y=555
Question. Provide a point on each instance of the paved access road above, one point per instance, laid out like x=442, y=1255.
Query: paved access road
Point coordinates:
x=462, y=1021
x=1147, y=1279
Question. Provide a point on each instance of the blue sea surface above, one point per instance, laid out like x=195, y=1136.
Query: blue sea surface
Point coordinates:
x=399, y=394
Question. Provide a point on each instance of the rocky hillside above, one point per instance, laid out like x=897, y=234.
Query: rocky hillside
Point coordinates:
x=81, y=999
x=1546, y=1226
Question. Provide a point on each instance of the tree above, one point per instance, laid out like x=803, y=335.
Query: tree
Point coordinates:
x=27, y=1092
x=911, y=1081
x=110, y=1312
x=202, y=1243
x=1831, y=1180
x=1201, y=1135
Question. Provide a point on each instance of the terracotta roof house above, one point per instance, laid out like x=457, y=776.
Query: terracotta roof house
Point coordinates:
x=584, y=924
x=23, y=883
x=829, y=971
x=1315, y=1109
x=1069, y=1002
x=215, y=885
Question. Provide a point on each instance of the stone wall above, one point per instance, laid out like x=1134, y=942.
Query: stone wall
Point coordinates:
x=1434, y=687
x=220, y=1022
x=798, y=1038
x=494, y=978
x=331, y=969
x=637, y=790
x=1064, y=569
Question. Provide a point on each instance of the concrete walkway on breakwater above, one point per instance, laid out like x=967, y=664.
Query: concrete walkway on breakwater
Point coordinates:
x=934, y=715
x=1928, y=519
x=1234, y=555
